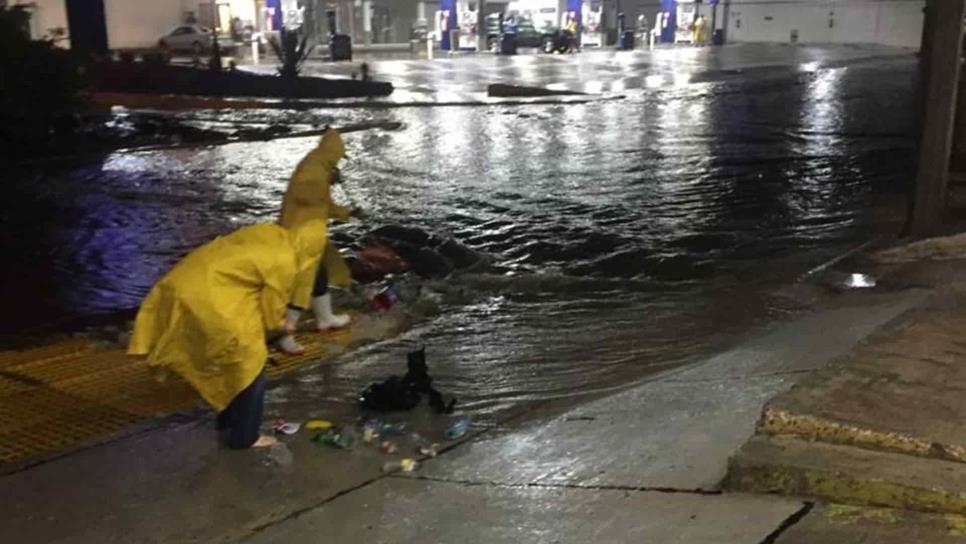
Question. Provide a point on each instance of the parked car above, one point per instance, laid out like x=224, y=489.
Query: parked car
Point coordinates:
x=528, y=35
x=194, y=39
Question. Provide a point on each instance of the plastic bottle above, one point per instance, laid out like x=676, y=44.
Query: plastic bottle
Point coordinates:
x=458, y=428
x=393, y=429
x=335, y=438
x=403, y=465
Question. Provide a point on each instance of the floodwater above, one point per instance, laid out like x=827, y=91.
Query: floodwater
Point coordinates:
x=628, y=234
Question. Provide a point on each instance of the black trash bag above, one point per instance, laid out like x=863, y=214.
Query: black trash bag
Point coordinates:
x=405, y=393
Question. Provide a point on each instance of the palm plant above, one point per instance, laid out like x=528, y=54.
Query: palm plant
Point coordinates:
x=292, y=51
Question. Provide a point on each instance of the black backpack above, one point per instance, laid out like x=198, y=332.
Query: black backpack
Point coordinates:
x=404, y=393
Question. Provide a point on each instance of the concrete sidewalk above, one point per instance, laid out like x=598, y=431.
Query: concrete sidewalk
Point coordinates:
x=643, y=465
x=883, y=426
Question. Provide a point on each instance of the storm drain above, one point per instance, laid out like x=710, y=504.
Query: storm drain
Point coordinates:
x=64, y=396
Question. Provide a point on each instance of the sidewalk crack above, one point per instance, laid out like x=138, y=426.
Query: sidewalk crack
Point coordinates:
x=788, y=522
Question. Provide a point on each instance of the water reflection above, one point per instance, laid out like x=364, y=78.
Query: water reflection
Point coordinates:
x=638, y=231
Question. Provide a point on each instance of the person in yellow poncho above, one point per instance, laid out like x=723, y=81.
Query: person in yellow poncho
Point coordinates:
x=207, y=318
x=700, y=30
x=309, y=198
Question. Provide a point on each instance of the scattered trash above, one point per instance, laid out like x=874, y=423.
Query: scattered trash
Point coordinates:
x=374, y=428
x=388, y=446
x=332, y=437
x=282, y=427
x=458, y=428
x=423, y=446
x=318, y=425
x=279, y=454
x=403, y=465
x=404, y=393
x=860, y=281
x=383, y=299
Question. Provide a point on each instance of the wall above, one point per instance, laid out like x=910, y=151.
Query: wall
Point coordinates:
x=46, y=15
x=887, y=22
x=400, y=15
x=140, y=23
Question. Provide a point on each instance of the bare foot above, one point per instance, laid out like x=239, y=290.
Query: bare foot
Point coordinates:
x=265, y=442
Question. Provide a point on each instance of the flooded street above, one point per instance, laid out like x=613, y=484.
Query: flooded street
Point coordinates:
x=627, y=234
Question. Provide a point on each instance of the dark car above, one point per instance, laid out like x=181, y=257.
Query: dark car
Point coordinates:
x=528, y=35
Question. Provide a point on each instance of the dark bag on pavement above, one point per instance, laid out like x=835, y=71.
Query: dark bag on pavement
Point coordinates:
x=395, y=393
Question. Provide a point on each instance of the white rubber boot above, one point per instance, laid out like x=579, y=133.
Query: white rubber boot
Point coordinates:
x=288, y=343
x=290, y=346
x=324, y=318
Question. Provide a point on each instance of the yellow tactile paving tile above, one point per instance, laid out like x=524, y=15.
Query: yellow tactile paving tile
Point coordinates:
x=13, y=384
x=59, y=350
x=43, y=421
x=140, y=393
x=62, y=396
x=318, y=347
x=66, y=368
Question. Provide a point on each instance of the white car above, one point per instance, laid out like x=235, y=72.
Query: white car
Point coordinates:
x=194, y=39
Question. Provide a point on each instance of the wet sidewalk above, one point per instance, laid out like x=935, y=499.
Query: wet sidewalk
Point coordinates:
x=646, y=463
x=883, y=426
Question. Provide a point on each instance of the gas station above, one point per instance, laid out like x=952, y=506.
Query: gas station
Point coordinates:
x=461, y=25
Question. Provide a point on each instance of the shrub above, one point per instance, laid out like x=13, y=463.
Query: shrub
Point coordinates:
x=40, y=83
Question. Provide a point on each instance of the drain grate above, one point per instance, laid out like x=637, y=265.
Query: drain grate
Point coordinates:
x=63, y=396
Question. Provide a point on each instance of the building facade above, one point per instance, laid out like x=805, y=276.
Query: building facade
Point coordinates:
x=127, y=24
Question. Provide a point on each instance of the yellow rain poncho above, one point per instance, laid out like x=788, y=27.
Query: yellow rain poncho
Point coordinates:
x=206, y=319
x=309, y=198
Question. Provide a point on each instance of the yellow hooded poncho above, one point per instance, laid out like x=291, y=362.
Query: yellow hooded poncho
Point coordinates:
x=309, y=198
x=206, y=319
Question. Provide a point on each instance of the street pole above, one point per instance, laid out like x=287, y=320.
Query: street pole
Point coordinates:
x=943, y=41
x=481, y=30
x=367, y=21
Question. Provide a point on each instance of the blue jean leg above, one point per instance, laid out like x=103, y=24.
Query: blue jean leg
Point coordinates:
x=243, y=417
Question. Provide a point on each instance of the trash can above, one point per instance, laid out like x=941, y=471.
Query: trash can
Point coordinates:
x=340, y=47
x=717, y=37
x=626, y=41
x=508, y=44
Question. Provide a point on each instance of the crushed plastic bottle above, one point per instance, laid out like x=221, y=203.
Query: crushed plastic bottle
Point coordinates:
x=393, y=429
x=280, y=455
x=338, y=439
x=458, y=428
x=403, y=465
x=372, y=429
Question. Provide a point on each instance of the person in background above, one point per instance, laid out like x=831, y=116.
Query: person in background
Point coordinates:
x=643, y=30
x=206, y=320
x=571, y=29
x=700, y=31
x=309, y=198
